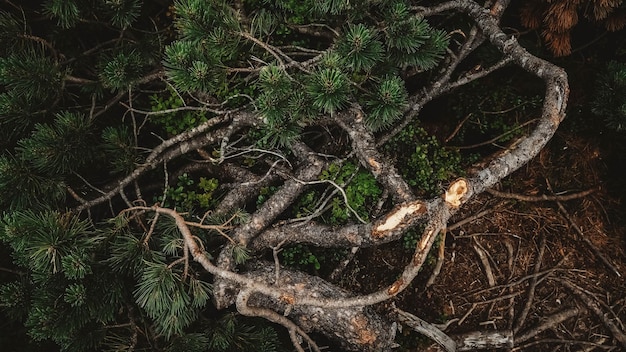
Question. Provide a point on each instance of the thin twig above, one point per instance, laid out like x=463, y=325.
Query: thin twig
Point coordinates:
x=471, y=218
x=89, y=184
x=457, y=128
x=526, y=347
x=496, y=138
x=594, y=306
x=483, y=259
x=340, y=189
x=440, y=259
x=531, y=288
x=275, y=250
x=582, y=236
x=548, y=323
x=541, y=198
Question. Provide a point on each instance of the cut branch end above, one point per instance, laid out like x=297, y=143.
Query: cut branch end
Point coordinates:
x=456, y=193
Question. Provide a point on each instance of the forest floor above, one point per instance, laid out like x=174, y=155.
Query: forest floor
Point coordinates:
x=551, y=270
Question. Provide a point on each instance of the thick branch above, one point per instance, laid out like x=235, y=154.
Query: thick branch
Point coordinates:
x=388, y=228
x=364, y=145
x=355, y=328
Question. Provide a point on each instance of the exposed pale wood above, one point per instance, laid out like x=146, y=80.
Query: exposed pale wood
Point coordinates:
x=482, y=340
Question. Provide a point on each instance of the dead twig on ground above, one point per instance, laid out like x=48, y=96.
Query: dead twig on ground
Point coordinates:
x=563, y=342
x=594, y=307
x=471, y=218
x=542, y=198
x=424, y=328
x=482, y=255
x=440, y=259
x=548, y=323
x=582, y=236
x=531, y=289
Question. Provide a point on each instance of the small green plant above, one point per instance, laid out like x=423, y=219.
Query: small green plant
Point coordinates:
x=300, y=256
x=409, y=240
x=175, y=122
x=427, y=164
x=305, y=258
x=360, y=187
x=186, y=194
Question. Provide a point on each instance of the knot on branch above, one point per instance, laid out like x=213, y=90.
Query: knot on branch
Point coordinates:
x=366, y=336
x=395, y=287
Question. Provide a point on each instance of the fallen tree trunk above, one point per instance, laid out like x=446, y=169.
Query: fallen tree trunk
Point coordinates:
x=354, y=328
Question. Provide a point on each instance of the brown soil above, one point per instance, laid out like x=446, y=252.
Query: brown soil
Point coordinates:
x=511, y=235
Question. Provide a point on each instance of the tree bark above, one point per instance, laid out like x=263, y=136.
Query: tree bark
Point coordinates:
x=354, y=328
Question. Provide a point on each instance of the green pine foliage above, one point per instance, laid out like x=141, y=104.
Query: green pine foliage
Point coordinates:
x=118, y=148
x=360, y=47
x=52, y=237
x=30, y=74
x=230, y=334
x=23, y=187
x=31, y=83
x=282, y=106
x=329, y=89
x=71, y=70
x=67, y=13
x=65, y=294
x=129, y=254
x=60, y=147
x=171, y=303
x=123, y=12
x=387, y=104
x=395, y=37
x=609, y=99
x=10, y=28
x=122, y=69
x=410, y=40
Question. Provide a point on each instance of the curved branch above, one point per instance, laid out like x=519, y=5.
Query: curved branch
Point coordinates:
x=172, y=148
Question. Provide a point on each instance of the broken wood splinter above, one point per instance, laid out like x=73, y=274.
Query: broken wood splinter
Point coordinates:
x=397, y=218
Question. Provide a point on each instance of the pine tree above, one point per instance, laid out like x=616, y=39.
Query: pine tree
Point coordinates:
x=147, y=144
